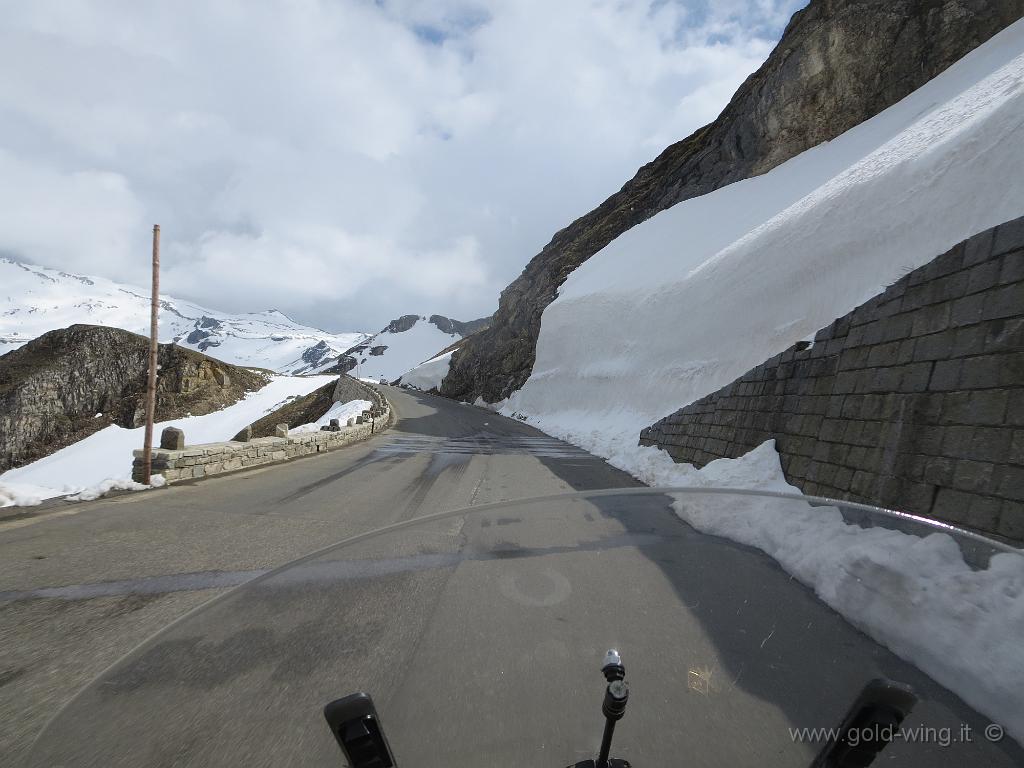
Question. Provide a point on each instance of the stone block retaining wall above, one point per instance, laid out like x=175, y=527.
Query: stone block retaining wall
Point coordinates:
x=915, y=400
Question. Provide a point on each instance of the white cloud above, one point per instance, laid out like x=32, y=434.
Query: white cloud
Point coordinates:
x=320, y=264
x=65, y=217
x=435, y=145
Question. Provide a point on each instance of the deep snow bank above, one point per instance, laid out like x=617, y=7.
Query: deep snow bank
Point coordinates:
x=430, y=374
x=103, y=461
x=913, y=594
x=686, y=302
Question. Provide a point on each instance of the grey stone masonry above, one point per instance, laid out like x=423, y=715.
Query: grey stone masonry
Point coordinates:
x=348, y=389
x=914, y=400
x=172, y=438
x=196, y=461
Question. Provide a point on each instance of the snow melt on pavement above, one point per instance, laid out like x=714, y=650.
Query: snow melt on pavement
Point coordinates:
x=686, y=302
x=103, y=461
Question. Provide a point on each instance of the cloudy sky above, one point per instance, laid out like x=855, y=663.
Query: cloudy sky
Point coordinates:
x=344, y=161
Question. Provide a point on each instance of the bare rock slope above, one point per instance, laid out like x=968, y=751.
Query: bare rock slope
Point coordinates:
x=72, y=382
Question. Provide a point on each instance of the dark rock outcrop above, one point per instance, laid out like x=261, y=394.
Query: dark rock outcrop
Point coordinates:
x=208, y=322
x=457, y=327
x=838, y=63
x=52, y=388
x=197, y=336
x=206, y=334
x=402, y=324
x=346, y=363
x=317, y=353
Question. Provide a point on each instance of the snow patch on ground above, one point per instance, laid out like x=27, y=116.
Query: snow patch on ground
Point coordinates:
x=116, y=484
x=341, y=411
x=106, y=456
x=20, y=495
x=915, y=595
x=430, y=374
x=499, y=407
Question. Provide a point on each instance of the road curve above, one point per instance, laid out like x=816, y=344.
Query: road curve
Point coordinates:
x=79, y=590
x=81, y=584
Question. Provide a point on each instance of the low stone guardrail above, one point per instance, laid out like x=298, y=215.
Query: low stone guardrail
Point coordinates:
x=177, y=461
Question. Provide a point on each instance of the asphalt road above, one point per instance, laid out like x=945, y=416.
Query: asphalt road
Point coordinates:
x=477, y=635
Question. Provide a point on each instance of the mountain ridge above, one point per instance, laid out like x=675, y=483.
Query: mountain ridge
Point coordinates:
x=40, y=299
x=411, y=339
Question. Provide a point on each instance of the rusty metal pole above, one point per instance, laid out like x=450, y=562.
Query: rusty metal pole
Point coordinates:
x=147, y=448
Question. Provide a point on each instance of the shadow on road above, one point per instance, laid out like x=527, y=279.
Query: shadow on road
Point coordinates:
x=775, y=639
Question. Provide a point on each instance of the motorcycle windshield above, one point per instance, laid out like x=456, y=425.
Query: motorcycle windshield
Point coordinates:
x=480, y=636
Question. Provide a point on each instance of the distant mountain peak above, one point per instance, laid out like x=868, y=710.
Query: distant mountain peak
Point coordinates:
x=403, y=344
x=39, y=299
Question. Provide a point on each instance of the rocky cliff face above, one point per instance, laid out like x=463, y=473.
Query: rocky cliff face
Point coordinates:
x=69, y=383
x=401, y=324
x=838, y=63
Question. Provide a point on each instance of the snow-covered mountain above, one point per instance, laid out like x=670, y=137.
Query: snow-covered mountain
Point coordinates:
x=405, y=343
x=34, y=300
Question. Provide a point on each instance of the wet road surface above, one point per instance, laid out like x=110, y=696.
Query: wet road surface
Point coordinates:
x=494, y=621
x=82, y=584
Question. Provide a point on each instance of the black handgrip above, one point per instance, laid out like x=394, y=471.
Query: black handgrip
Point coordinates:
x=356, y=727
